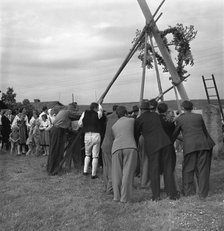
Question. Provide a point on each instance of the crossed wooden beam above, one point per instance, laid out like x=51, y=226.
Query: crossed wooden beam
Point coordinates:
x=150, y=22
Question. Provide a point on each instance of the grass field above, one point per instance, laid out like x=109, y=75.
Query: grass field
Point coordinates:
x=32, y=200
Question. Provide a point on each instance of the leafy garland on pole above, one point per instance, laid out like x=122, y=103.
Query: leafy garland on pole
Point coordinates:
x=182, y=36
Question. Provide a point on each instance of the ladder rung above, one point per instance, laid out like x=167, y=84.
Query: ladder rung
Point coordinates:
x=210, y=87
x=212, y=95
x=208, y=79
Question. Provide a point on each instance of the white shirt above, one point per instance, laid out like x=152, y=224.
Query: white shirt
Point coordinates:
x=17, y=118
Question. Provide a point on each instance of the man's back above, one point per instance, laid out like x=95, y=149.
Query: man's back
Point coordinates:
x=64, y=117
x=151, y=127
x=193, y=131
x=108, y=138
x=123, y=132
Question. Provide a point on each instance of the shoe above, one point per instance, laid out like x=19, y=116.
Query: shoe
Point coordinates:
x=175, y=197
x=156, y=199
x=85, y=173
x=109, y=192
x=202, y=199
x=124, y=202
x=94, y=177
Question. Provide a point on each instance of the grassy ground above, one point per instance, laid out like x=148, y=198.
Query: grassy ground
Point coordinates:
x=32, y=200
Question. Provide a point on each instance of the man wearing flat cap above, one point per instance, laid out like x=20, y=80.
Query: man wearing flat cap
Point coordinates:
x=157, y=145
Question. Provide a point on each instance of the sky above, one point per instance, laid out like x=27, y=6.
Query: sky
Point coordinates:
x=53, y=49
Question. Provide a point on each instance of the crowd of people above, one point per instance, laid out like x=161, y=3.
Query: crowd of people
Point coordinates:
x=23, y=136
x=140, y=143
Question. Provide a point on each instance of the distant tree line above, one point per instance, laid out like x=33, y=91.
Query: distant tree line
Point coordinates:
x=9, y=99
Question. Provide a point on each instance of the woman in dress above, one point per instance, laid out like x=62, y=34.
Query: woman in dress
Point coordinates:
x=45, y=125
x=21, y=120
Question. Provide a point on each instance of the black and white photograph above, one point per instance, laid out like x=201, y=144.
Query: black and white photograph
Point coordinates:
x=111, y=115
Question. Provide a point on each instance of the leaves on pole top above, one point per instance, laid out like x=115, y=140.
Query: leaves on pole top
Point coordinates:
x=181, y=38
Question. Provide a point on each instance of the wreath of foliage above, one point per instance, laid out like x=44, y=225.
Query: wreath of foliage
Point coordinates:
x=182, y=36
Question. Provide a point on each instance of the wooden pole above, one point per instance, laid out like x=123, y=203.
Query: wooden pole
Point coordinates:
x=170, y=88
x=128, y=57
x=177, y=99
x=156, y=68
x=144, y=65
x=131, y=53
x=144, y=68
x=67, y=146
x=165, y=54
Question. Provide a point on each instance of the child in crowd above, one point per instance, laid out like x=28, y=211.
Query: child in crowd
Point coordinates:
x=30, y=140
x=44, y=133
x=36, y=138
x=14, y=138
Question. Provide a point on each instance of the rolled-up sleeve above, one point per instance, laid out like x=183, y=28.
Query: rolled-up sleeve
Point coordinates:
x=100, y=111
x=80, y=123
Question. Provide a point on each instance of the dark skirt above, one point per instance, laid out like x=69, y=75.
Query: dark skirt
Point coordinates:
x=44, y=138
x=5, y=129
x=23, y=134
x=56, y=150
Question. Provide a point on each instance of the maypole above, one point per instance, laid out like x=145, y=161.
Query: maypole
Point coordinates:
x=150, y=23
x=165, y=54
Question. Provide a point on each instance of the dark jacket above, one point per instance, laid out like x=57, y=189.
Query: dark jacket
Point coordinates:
x=108, y=138
x=194, y=132
x=168, y=125
x=150, y=126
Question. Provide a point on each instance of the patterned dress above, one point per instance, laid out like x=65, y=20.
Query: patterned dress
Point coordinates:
x=21, y=121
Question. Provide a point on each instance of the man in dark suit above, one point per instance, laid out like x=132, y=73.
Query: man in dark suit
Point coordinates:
x=157, y=146
x=197, y=146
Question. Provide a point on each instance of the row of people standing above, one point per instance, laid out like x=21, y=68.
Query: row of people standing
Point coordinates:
x=91, y=129
x=159, y=135
x=27, y=136
x=121, y=139
x=40, y=125
x=121, y=142
x=159, y=149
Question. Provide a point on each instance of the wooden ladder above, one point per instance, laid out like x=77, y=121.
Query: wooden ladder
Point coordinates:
x=211, y=91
